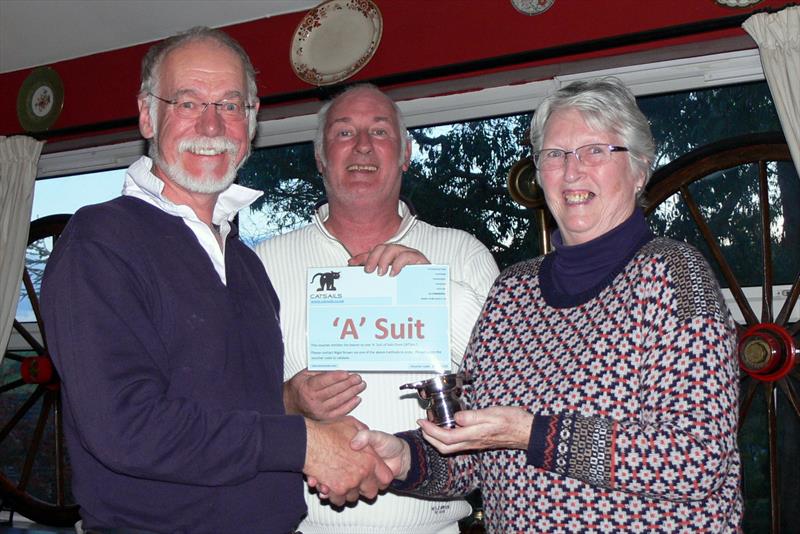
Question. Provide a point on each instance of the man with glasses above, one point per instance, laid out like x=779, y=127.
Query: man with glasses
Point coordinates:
x=164, y=328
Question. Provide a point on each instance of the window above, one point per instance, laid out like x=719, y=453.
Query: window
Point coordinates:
x=63, y=195
x=68, y=193
x=458, y=173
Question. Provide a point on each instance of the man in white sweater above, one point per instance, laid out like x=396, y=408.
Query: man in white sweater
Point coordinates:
x=362, y=149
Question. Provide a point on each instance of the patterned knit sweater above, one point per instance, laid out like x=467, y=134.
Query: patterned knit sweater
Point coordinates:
x=634, y=394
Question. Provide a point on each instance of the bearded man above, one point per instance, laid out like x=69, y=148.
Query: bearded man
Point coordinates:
x=164, y=328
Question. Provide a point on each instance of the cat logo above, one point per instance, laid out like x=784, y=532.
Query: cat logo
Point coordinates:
x=326, y=280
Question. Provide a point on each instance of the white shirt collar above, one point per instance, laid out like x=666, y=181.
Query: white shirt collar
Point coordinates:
x=141, y=183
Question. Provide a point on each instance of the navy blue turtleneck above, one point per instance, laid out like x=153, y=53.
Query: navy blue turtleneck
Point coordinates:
x=572, y=275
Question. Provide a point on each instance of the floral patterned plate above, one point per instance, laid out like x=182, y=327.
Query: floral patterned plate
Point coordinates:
x=335, y=40
x=40, y=100
x=532, y=7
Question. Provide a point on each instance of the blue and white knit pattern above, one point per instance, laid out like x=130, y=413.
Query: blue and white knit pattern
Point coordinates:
x=634, y=394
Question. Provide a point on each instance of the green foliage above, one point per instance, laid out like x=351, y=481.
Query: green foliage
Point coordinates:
x=683, y=121
x=288, y=176
x=459, y=178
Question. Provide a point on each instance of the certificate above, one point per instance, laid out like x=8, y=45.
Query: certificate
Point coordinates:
x=360, y=321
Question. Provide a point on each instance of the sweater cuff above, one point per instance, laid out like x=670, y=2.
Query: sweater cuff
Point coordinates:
x=541, y=444
x=417, y=468
x=284, y=443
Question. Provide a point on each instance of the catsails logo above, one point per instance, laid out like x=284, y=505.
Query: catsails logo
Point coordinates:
x=327, y=284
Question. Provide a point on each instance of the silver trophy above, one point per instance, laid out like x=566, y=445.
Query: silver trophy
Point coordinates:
x=442, y=396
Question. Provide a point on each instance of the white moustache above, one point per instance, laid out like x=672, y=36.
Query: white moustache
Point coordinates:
x=207, y=146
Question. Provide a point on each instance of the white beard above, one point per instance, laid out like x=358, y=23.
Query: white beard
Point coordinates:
x=202, y=184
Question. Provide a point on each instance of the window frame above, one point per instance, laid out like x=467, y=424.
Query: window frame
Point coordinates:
x=699, y=72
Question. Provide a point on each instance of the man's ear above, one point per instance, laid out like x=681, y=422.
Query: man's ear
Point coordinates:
x=256, y=105
x=407, y=156
x=146, y=126
x=320, y=166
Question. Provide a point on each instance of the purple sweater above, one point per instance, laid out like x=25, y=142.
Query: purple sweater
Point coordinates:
x=171, y=381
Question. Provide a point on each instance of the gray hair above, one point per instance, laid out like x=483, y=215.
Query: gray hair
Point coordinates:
x=151, y=64
x=322, y=121
x=606, y=105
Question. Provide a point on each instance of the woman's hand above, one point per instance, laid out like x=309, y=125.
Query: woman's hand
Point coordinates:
x=391, y=449
x=499, y=427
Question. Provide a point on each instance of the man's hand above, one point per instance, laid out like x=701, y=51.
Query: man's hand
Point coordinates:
x=393, y=450
x=386, y=256
x=322, y=395
x=333, y=465
x=498, y=427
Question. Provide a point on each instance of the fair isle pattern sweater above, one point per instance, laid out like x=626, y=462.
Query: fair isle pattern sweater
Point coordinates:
x=634, y=394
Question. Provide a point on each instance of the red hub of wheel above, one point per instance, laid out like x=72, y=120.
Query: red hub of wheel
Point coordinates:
x=39, y=370
x=767, y=352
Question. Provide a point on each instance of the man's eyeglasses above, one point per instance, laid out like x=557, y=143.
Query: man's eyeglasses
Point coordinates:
x=191, y=108
x=551, y=159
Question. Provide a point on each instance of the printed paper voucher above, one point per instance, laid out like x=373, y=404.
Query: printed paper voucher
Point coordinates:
x=360, y=321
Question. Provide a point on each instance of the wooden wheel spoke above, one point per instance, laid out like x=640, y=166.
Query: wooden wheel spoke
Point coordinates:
x=12, y=385
x=794, y=329
x=772, y=429
x=14, y=356
x=766, y=244
x=33, y=297
x=791, y=394
x=711, y=241
x=791, y=300
x=32, y=341
x=36, y=441
x=744, y=408
x=21, y=412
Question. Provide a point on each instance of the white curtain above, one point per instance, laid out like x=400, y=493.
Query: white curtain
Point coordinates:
x=19, y=156
x=778, y=38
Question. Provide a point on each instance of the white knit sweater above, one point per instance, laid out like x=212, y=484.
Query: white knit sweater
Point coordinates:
x=384, y=406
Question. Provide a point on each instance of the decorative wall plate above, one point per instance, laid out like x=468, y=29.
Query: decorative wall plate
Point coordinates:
x=738, y=3
x=335, y=40
x=40, y=100
x=532, y=7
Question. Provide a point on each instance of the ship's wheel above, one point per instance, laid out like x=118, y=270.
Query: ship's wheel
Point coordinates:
x=34, y=470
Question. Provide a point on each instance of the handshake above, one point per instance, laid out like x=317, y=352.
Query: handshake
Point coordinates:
x=345, y=461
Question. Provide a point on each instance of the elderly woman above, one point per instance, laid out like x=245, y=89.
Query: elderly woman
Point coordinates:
x=604, y=392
